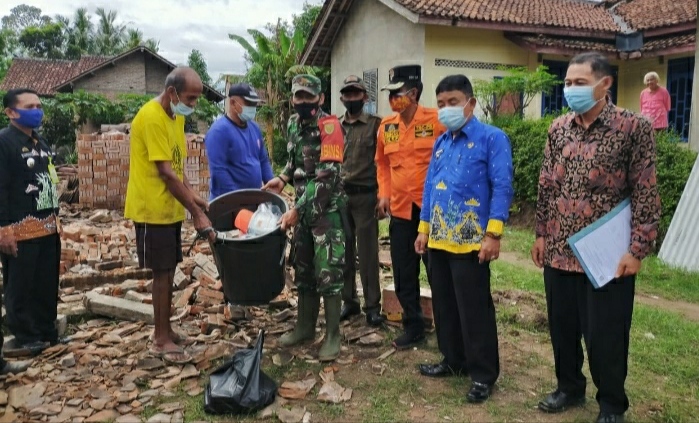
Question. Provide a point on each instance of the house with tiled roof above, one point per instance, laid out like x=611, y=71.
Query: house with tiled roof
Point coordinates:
x=136, y=71
x=480, y=37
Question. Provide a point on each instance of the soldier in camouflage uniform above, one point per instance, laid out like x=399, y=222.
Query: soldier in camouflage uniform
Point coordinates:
x=316, y=148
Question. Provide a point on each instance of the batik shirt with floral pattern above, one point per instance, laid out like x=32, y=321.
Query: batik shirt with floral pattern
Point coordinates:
x=587, y=172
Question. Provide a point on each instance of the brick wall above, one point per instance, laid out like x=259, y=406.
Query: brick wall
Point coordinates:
x=125, y=76
x=103, y=168
x=156, y=72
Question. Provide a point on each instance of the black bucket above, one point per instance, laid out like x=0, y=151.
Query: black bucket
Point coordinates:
x=252, y=269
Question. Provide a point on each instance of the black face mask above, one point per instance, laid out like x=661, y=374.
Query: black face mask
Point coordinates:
x=306, y=111
x=354, y=107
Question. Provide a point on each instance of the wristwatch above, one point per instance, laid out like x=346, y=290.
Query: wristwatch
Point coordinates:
x=493, y=235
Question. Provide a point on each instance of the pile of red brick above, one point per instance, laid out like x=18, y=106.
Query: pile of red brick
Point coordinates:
x=103, y=168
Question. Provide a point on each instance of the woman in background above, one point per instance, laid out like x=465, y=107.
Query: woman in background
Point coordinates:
x=655, y=102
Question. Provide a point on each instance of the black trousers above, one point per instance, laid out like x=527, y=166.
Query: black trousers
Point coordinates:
x=362, y=240
x=30, y=283
x=603, y=318
x=464, y=314
x=406, y=270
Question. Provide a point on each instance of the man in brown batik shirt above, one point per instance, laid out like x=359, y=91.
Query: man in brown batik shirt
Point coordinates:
x=595, y=157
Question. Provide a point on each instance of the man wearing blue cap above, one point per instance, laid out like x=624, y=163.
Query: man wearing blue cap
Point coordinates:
x=235, y=146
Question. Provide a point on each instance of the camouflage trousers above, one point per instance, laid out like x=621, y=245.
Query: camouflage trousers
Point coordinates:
x=320, y=255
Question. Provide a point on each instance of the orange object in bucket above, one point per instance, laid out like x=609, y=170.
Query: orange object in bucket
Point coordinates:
x=242, y=220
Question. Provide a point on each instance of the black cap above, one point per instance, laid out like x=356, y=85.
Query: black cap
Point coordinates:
x=399, y=75
x=244, y=90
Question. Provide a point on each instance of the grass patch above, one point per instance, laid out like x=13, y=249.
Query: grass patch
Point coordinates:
x=655, y=278
x=389, y=397
x=518, y=240
x=504, y=275
x=383, y=228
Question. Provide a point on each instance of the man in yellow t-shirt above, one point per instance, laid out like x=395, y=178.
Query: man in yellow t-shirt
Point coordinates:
x=158, y=193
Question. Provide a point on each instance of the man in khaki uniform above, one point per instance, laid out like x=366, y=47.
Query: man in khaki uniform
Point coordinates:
x=359, y=176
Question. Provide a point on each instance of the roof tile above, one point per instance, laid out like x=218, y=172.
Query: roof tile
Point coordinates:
x=647, y=14
x=44, y=75
x=573, y=14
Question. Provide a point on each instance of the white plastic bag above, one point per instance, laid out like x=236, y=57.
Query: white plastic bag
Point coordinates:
x=265, y=219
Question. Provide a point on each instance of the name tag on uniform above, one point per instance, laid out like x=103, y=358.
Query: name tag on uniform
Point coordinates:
x=52, y=172
x=390, y=133
x=424, y=131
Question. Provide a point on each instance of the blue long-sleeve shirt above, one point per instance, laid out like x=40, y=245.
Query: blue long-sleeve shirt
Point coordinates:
x=238, y=157
x=468, y=188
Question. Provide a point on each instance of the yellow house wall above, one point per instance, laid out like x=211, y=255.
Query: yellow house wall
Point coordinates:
x=472, y=45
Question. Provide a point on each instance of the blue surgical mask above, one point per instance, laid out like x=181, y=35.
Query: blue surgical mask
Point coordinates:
x=580, y=98
x=453, y=117
x=248, y=113
x=180, y=108
x=29, y=118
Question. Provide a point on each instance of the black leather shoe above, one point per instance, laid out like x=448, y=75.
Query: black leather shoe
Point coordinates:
x=558, y=401
x=14, y=349
x=57, y=341
x=479, y=393
x=440, y=370
x=408, y=340
x=610, y=418
x=15, y=367
x=349, y=310
x=373, y=318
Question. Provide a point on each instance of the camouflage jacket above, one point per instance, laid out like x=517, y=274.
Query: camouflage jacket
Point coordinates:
x=315, y=169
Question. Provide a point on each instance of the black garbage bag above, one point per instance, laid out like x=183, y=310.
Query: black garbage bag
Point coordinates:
x=239, y=386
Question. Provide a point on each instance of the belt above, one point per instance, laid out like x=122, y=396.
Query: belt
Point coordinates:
x=360, y=189
x=30, y=227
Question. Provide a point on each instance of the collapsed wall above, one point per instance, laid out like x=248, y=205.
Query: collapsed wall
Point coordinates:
x=103, y=168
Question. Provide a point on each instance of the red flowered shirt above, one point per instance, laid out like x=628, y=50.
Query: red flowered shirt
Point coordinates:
x=587, y=172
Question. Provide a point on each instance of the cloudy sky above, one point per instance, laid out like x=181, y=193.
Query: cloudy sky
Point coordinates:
x=185, y=25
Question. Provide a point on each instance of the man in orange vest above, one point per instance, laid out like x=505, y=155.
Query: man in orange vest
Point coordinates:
x=403, y=152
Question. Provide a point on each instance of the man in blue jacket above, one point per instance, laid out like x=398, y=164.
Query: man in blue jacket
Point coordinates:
x=235, y=146
x=465, y=204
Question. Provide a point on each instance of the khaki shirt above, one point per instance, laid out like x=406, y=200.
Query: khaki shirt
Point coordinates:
x=359, y=167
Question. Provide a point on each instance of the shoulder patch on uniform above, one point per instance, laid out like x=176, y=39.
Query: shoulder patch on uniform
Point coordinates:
x=332, y=140
x=391, y=134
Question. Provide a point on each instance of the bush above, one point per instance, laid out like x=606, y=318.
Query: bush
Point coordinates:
x=675, y=163
x=59, y=126
x=279, y=153
x=528, y=139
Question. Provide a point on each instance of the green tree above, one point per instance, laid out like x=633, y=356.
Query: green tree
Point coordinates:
x=45, y=41
x=196, y=61
x=24, y=16
x=6, y=42
x=134, y=38
x=110, y=36
x=517, y=88
x=153, y=44
x=305, y=20
x=272, y=63
x=80, y=34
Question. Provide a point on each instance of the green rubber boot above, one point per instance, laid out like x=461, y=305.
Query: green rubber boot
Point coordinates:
x=331, y=347
x=305, y=329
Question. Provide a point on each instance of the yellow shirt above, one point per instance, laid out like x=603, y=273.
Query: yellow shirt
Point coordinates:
x=154, y=137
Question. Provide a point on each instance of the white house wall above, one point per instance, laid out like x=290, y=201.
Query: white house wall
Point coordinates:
x=374, y=37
